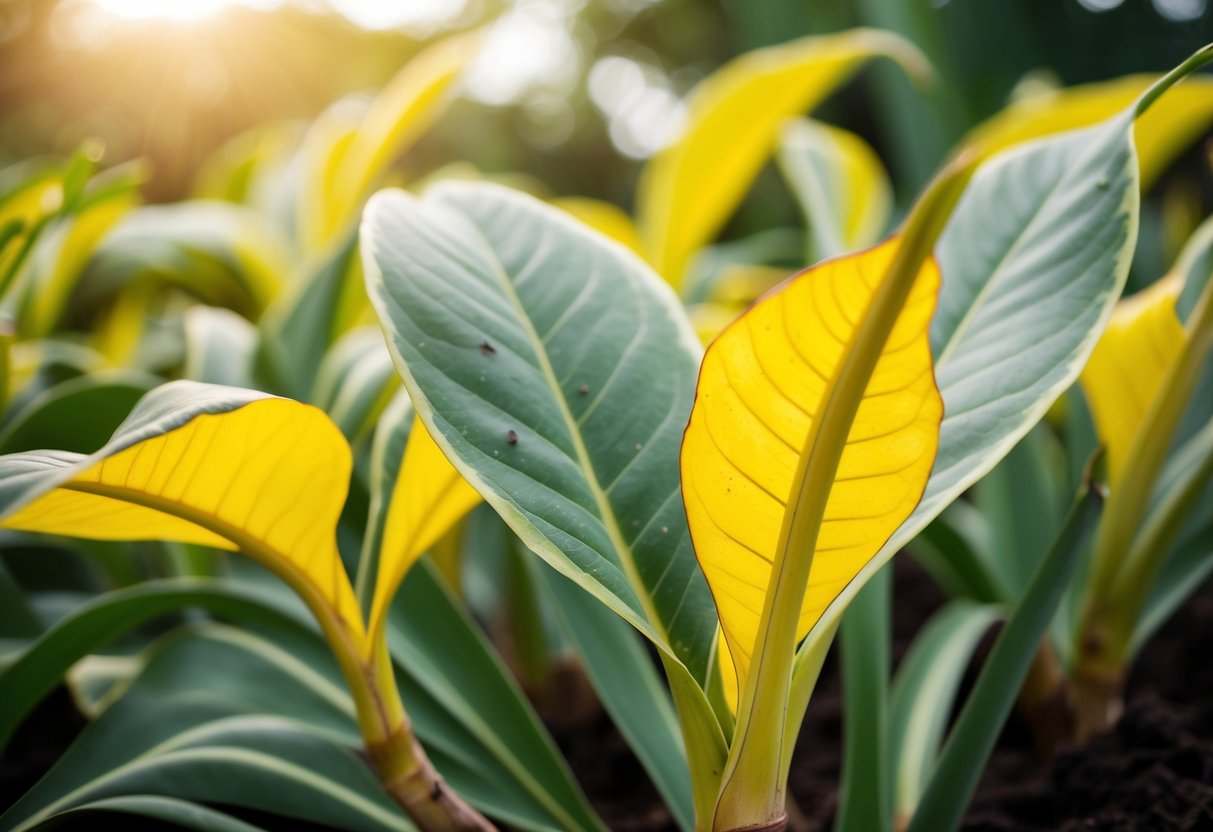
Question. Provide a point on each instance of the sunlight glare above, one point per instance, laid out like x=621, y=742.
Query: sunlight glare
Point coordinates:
x=181, y=10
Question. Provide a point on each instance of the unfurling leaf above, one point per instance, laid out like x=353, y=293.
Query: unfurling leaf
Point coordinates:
x=690, y=189
x=761, y=386
x=216, y=466
x=1128, y=366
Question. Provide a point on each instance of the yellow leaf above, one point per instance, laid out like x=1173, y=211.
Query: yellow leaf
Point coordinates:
x=264, y=475
x=400, y=114
x=604, y=217
x=760, y=387
x=60, y=260
x=691, y=188
x=430, y=497
x=1170, y=125
x=1127, y=367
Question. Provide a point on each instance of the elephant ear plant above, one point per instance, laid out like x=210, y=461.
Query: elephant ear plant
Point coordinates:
x=556, y=371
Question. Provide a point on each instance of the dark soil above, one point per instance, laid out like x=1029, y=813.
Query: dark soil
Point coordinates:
x=1152, y=773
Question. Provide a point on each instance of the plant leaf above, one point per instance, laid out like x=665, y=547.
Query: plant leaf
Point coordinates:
x=476, y=723
x=220, y=715
x=500, y=311
x=760, y=388
x=690, y=189
x=555, y=371
x=1127, y=367
x=211, y=465
x=842, y=187
x=428, y=498
x=603, y=217
x=222, y=253
x=623, y=675
x=1008, y=254
x=1160, y=134
x=924, y=691
x=40, y=667
x=972, y=739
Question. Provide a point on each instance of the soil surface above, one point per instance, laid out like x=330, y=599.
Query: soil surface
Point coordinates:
x=1152, y=773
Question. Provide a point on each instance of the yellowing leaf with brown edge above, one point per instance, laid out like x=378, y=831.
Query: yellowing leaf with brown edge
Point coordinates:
x=216, y=466
x=760, y=388
x=1128, y=366
x=691, y=188
x=429, y=498
x=1171, y=124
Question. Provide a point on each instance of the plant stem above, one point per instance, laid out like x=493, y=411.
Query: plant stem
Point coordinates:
x=405, y=771
x=752, y=792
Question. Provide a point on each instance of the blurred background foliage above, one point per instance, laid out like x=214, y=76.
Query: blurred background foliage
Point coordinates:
x=571, y=94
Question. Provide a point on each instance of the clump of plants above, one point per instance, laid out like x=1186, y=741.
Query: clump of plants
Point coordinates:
x=383, y=370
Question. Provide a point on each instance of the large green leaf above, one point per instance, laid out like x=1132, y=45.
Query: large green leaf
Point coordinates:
x=556, y=371
x=219, y=715
x=39, y=668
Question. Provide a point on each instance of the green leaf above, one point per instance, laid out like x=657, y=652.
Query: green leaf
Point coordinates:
x=500, y=311
x=865, y=791
x=977, y=728
x=222, y=716
x=180, y=813
x=955, y=549
x=299, y=328
x=841, y=185
x=556, y=372
x=219, y=347
x=355, y=382
x=476, y=723
x=631, y=690
x=924, y=691
x=42, y=666
x=53, y=418
x=1022, y=500
x=220, y=252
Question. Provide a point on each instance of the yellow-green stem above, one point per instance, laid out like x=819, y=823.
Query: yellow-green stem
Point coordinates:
x=753, y=789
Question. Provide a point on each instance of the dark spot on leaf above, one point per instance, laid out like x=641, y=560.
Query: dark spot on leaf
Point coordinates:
x=512, y=438
x=487, y=349
x=583, y=389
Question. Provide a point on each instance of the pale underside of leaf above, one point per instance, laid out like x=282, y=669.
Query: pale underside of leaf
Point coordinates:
x=762, y=383
x=1128, y=366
